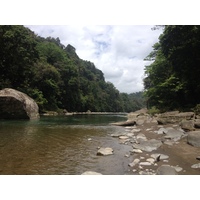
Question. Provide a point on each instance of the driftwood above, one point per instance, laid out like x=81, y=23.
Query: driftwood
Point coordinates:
x=125, y=123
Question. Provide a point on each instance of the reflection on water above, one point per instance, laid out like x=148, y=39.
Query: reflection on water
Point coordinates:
x=60, y=145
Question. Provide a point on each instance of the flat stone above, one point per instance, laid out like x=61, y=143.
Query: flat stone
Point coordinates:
x=148, y=145
x=123, y=137
x=177, y=168
x=145, y=163
x=166, y=170
x=91, y=173
x=174, y=134
x=105, y=151
x=195, y=166
x=136, y=151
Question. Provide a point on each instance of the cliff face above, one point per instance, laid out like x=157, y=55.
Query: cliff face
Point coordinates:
x=17, y=105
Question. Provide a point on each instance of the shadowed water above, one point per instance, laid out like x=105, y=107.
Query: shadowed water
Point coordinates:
x=61, y=145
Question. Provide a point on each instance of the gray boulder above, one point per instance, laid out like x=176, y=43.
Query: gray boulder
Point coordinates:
x=17, y=105
x=174, y=134
x=193, y=138
x=148, y=145
x=187, y=125
x=197, y=123
x=174, y=117
x=166, y=170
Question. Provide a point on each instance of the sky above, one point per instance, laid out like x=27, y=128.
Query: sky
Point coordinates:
x=118, y=51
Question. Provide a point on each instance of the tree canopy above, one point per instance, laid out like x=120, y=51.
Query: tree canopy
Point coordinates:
x=55, y=76
x=172, y=80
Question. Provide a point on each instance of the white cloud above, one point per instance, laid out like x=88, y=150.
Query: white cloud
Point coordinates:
x=118, y=51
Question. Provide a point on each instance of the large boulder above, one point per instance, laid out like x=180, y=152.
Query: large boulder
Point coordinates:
x=17, y=105
x=193, y=138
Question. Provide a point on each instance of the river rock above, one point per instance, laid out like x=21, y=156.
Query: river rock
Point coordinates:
x=166, y=170
x=174, y=134
x=193, y=138
x=187, y=125
x=91, y=173
x=123, y=137
x=136, y=151
x=105, y=151
x=148, y=145
x=141, y=136
x=174, y=117
x=135, y=162
x=195, y=166
x=145, y=163
x=159, y=156
x=17, y=105
x=197, y=123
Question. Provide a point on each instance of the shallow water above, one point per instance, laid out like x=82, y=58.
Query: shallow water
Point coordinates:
x=61, y=145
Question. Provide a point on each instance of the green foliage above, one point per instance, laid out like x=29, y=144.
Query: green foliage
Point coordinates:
x=55, y=76
x=153, y=110
x=172, y=80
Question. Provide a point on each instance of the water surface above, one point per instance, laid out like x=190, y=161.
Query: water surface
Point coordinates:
x=61, y=145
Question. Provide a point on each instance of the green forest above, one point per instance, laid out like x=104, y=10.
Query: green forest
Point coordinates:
x=55, y=77
x=172, y=80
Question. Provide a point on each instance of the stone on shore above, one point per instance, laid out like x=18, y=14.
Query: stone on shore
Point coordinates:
x=196, y=166
x=148, y=145
x=105, y=151
x=135, y=162
x=17, y=105
x=166, y=170
x=187, y=125
x=91, y=173
x=174, y=134
x=193, y=138
x=174, y=117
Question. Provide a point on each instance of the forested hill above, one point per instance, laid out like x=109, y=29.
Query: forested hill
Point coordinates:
x=172, y=81
x=55, y=77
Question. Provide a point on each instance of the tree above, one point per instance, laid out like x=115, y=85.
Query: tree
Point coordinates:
x=17, y=55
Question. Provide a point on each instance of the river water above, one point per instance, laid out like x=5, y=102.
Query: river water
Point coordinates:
x=61, y=145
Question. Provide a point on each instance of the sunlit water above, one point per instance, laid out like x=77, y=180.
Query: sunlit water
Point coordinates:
x=61, y=145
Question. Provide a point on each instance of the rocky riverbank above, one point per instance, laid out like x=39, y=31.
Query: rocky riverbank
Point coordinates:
x=168, y=144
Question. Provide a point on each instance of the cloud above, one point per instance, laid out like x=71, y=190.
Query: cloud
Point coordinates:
x=118, y=51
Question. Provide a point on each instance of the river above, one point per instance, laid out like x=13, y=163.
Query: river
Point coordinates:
x=61, y=145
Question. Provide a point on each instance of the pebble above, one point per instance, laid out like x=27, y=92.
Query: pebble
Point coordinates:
x=136, y=130
x=123, y=137
x=135, y=162
x=136, y=151
x=145, y=163
x=178, y=169
x=151, y=160
x=91, y=173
